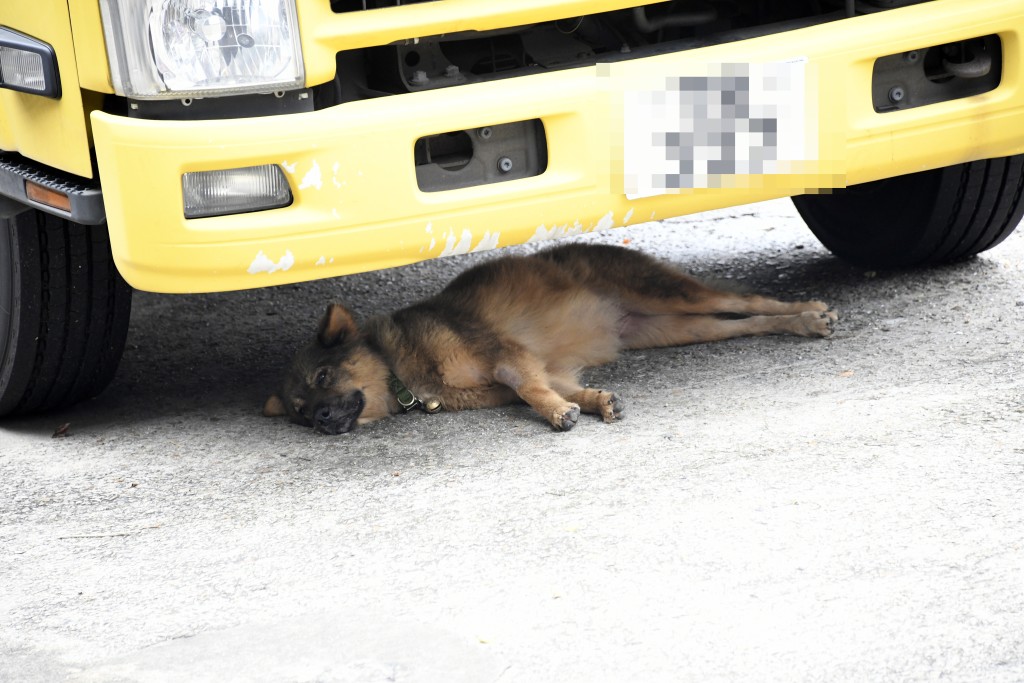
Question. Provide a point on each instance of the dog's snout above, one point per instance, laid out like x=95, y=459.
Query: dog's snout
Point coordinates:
x=340, y=414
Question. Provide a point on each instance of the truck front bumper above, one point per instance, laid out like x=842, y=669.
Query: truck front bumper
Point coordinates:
x=357, y=206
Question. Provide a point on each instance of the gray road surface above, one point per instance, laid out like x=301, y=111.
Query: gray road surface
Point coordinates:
x=773, y=509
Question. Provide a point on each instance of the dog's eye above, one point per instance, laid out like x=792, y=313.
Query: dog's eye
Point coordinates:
x=323, y=378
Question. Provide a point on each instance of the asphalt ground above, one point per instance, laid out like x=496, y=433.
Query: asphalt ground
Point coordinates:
x=771, y=509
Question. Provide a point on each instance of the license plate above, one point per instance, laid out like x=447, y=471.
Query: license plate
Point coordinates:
x=717, y=126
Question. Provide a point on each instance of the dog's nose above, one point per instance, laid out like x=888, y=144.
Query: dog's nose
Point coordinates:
x=323, y=414
x=328, y=420
x=338, y=417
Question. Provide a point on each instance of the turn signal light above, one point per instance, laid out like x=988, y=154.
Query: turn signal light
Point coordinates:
x=44, y=195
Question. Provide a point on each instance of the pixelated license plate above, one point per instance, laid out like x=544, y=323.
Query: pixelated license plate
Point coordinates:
x=716, y=126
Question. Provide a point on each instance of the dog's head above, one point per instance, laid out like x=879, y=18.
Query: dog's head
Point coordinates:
x=336, y=382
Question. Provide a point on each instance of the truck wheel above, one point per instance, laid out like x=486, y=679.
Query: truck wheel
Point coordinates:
x=63, y=311
x=920, y=219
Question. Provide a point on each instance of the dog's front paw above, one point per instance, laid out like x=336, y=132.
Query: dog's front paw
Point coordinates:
x=611, y=406
x=566, y=417
x=819, y=324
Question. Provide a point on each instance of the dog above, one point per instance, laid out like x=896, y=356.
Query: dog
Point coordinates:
x=520, y=328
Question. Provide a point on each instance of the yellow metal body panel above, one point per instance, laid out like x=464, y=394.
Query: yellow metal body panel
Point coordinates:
x=90, y=46
x=357, y=206
x=50, y=131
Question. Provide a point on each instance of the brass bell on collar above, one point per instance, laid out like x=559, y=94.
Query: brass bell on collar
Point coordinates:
x=432, y=405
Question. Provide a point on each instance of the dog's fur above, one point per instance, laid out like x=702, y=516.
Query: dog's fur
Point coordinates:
x=521, y=328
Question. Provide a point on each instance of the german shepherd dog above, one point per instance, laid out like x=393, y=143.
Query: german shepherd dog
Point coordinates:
x=520, y=328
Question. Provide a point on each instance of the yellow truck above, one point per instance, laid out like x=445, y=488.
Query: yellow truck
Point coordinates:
x=207, y=145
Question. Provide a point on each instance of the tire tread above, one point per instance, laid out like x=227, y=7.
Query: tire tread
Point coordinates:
x=72, y=311
x=929, y=218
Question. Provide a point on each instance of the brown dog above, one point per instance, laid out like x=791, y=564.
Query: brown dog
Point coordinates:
x=520, y=328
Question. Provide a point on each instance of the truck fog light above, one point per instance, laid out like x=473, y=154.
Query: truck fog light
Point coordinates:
x=27, y=65
x=234, y=190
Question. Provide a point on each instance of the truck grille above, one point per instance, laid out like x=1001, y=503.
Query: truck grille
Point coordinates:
x=341, y=6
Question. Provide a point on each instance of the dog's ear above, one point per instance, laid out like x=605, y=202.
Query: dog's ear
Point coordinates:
x=336, y=326
x=274, y=407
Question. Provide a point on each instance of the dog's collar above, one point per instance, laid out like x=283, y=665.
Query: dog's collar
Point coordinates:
x=408, y=400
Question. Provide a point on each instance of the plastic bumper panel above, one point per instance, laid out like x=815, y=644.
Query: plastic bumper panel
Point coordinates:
x=357, y=206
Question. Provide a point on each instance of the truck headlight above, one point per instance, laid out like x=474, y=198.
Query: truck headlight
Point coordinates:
x=168, y=49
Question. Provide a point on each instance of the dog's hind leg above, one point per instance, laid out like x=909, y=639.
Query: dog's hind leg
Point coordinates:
x=645, y=285
x=667, y=291
x=755, y=304
x=649, y=331
x=525, y=374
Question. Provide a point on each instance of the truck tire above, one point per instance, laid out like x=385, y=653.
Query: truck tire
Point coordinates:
x=928, y=218
x=64, y=312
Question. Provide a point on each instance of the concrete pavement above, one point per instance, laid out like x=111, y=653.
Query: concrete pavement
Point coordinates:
x=772, y=509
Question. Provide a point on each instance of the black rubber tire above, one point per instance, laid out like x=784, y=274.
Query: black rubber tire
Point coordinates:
x=64, y=312
x=947, y=214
